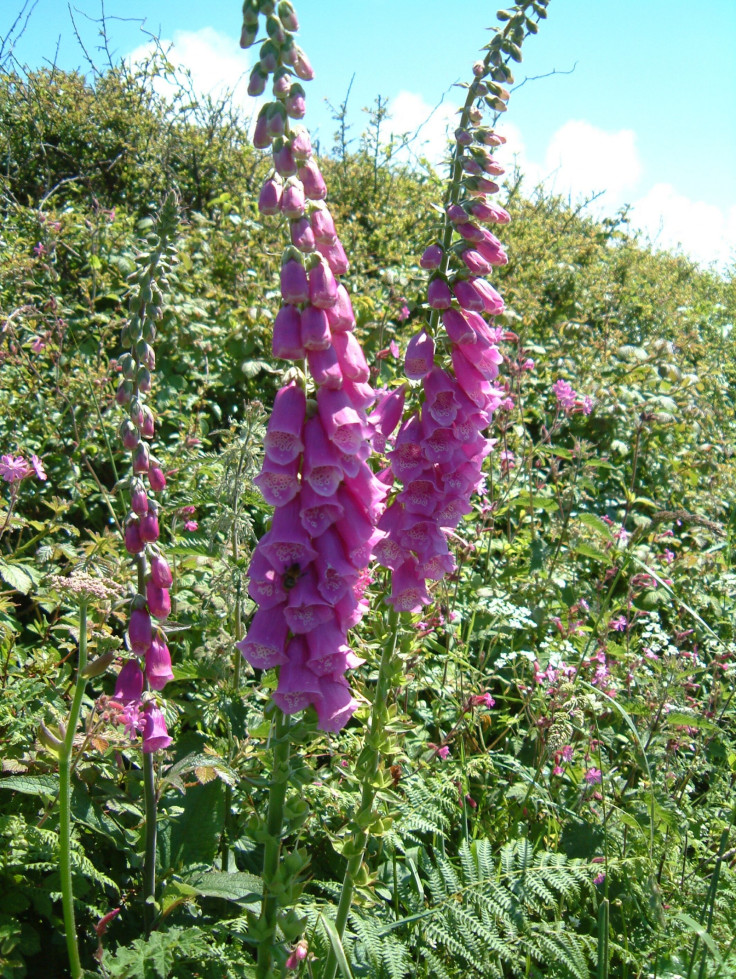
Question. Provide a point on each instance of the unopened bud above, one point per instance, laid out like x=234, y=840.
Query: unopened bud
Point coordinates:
x=288, y=17
x=47, y=738
x=99, y=665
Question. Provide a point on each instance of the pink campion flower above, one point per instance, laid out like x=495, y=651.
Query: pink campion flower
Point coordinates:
x=600, y=878
x=593, y=776
x=132, y=719
x=482, y=700
x=38, y=344
x=442, y=752
x=14, y=468
x=620, y=624
x=565, y=395
x=403, y=314
x=567, y=752
x=557, y=770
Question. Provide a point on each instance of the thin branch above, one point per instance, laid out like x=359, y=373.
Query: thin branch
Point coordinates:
x=549, y=74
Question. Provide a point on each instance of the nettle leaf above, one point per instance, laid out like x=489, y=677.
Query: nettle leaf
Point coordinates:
x=595, y=523
x=44, y=785
x=16, y=576
x=241, y=887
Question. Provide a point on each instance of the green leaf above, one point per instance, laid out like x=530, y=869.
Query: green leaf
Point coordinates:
x=44, y=785
x=241, y=887
x=587, y=550
x=595, y=523
x=15, y=576
x=337, y=946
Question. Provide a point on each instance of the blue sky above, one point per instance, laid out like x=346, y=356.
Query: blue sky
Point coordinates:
x=642, y=107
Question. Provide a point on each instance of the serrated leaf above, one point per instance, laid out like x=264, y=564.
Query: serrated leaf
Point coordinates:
x=16, y=577
x=241, y=887
x=587, y=550
x=205, y=774
x=595, y=523
x=46, y=785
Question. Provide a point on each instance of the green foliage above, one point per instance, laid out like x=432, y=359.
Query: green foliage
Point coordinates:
x=595, y=595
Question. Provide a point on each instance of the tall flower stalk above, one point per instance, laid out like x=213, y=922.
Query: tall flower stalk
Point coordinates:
x=147, y=670
x=308, y=573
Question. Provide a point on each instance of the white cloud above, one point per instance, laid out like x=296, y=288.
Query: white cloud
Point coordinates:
x=671, y=220
x=427, y=127
x=215, y=62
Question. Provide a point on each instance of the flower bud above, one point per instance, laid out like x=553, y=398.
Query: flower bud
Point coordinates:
x=419, y=358
x=292, y=200
x=124, y=392
x=295, y=103
x=432, y=257
x=275, y=119
x=132, y=537
x=287, y=334
x=138, y=498
x=145, y=354
x=323, y=225
x=283, y=159
x=261, y=139
x=463, y=137
x=269, y=201
x=322, y=286
x=302, y=236
x=149, y=529
x=98, y=666
x=147, y=422
x=143, y=379
x=257, y=82
x=287, y=16
x=268, y=57
x=160, y=571
x=311, y=177
x=140, y=632
x=156, y=479
x=294, y=284
x=128, y=434
x=158, y=600
x=141, y=458
x=438, y=294
x=248, y=35
x=127, y=366
x=301, y=146
x=275, y=30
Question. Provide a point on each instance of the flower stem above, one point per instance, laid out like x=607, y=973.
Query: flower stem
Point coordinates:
x=65, y=819
x=373, y=744
x=149, y=861
x=272, y=849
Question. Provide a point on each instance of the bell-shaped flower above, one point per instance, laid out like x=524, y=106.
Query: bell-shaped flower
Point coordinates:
x=438, y=294
x=315, y=329
x=269, y=201
x=408, y=588
x=351, y=357
x=158, y=664
x=457, y=327
x=311, y=177
x=336, y=704
x=155, y=735
x=323, y=467
x=343, y=425
x=322, y=286
x=132, y=537
x=286, y=342
x=158, y=600
x=287, y=542
x=148, y=527
x=140, y=632
x=432, y=257
x=160, y=571
x=467, y=295
x=323, y=226
x=341, y=316
x=293, y=201
x=306, y=609
x=278, y=484
x=265, y=585
x=294, y=284
x=129, y=683
x=302, y=236
x=334, y=255
x=488, y=212
x=298, y=686
x=283, y=440
x=264, y=645
x=317, y=512
x=419, y=358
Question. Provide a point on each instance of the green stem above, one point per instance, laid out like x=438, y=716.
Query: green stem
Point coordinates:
x=149, y=862
x=374, y=738
x=272, y=849
x=65, y=819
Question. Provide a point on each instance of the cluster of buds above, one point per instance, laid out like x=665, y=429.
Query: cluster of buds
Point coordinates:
x=440, y=449
x=149, y=669
x=308, y=573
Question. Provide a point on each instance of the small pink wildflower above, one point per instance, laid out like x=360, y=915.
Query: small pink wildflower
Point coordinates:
x=669, y=556
x=39, y=249
x=528, y=365
x=38, y=468
x=191, y=525
x=482, y=700
x=132, y=719
x=14, y=468
x=593, y=776
x=298, y=955
x=600, y=878
x=565, y=395
x=38, y=345
x=566, y=753
x=187, y=511
x=620, y=624
x=442, y=752
x=403, y=313
x=557, y=770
